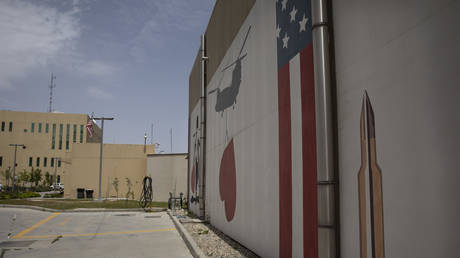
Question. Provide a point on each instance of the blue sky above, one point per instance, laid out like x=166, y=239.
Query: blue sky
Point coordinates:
x=125, y=59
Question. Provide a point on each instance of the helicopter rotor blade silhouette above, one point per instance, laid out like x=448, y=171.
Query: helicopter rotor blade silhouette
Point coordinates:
x=244, y=42
x=239, y=58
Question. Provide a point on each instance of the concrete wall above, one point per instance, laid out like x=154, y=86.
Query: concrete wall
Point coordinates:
x=120, y=161
x=406, y=54
x=168, y=173
x=39, y=143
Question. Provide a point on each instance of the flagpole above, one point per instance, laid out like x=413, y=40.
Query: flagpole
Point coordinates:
x=100, y=153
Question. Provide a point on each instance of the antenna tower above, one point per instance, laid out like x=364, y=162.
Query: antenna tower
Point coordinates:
x=51, y=86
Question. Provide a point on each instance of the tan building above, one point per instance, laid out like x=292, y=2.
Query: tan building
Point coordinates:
x=168, y=173
x=47, y=136
x=120, y=162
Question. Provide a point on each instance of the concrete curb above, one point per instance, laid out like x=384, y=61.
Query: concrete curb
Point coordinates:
x=76, y=210
x=191, y=244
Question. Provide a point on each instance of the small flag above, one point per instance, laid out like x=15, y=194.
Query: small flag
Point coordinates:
x=89, y=127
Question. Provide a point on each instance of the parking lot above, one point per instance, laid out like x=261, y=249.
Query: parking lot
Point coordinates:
x=88, y=234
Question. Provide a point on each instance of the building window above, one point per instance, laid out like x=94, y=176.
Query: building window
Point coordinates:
x=61, y=128
x=59, y=162
x=32, y=128
x=45, y=160
x=1, y=161
x=39, y=127
x=30, y=161
x=53, y=138
x=3, y=126
x=74, y=138
x=81, y=133
x=52, y=162
x=58, y=179
x=38, y=161
x=10, y=127
x=47, y=127
x=67, y=136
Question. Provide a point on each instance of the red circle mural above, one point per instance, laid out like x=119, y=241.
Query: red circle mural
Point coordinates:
x=227, y=181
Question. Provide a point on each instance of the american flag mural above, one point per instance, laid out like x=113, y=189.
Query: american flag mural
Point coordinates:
x=297, y=130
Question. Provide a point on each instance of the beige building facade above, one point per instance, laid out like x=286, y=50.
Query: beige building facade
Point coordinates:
x=120, y=163
x=169, y=175
x=47, y=137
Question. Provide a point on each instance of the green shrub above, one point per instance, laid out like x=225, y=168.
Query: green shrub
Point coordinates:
x=53, y=195
x=9, y=195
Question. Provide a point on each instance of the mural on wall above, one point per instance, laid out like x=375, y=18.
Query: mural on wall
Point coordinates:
x=225, y=99
x=195, y=164
x=369, y=159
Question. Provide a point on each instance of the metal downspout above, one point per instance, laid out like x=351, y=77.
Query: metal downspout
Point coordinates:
x=202, y=198
x=326, y=176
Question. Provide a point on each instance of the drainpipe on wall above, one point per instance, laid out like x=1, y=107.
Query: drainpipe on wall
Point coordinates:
x=328, y=228
x=202, y=166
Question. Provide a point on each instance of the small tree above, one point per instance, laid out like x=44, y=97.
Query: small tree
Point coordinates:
x=129, y=185
x=36, y=176
x=7, y=175
x=48, y=178
x=115, y=185
x=24, y=176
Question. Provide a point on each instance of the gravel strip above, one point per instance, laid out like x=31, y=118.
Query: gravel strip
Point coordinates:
x=213, y=242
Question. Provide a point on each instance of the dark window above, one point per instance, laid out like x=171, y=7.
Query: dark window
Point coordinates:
x=61, y=128
x=47, y=128
x=32, y=128
x=59, y=163
x=52, y=162
x=197, y=122
x=53, y=138
x=10, y=127
x=39, y=127
x=30, y=161
x=67, y=136
x=38, y=161
x=45, y=160
x=74, y=139
x=3, y=126
x=58, y=179
x=1, y=161
x=81, y=133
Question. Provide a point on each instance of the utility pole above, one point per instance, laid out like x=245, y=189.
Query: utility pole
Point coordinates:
x=145, y=141
x=14, y=165
x=170, y=133
x=56, y=160
x=52, y=86
x=102, y=144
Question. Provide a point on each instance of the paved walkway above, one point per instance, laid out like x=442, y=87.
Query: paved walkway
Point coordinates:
x=105, y=234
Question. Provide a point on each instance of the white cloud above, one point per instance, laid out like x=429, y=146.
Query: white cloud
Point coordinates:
x=98, y=93
x=31, y=36
x=96, y=68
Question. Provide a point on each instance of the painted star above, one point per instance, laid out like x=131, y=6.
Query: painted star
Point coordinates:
x=303, y=24
x=285, y=41
x=283, y=3
x=293, y=13
x=278, y=30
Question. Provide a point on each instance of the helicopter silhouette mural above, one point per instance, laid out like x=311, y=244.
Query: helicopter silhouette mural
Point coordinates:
x=227, y=97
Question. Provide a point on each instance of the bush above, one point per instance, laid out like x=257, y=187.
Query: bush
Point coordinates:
x=53, y=195
x=9, y=195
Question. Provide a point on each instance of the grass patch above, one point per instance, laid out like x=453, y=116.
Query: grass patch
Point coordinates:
x=68, y=204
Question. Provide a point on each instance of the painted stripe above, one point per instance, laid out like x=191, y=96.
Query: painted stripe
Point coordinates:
x=22, y=233
x=98, y=234
x=285, y=165
x=310, y=207
x=296, y=141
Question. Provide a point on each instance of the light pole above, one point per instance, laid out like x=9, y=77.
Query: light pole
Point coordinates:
x=56, y=159
x=14, y=165
x=102, y=143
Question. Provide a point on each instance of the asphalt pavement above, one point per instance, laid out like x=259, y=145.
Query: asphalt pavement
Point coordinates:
x=32, y=233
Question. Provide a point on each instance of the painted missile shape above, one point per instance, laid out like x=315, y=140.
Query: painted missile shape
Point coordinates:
x=375, y=186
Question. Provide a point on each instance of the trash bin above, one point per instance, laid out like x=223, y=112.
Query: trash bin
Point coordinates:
x=80, y=193
x=89, y=194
